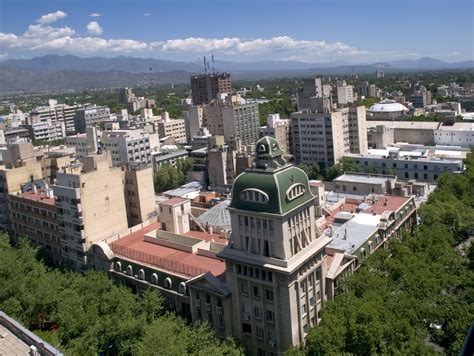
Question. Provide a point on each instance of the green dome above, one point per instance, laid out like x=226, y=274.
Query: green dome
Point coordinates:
x=271, y=191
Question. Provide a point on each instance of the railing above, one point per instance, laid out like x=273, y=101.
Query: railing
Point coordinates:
x=161, y=262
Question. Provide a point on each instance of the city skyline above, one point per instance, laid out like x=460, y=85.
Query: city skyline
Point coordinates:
x=244, y=31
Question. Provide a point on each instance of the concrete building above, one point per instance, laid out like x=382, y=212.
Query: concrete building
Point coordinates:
x=175, y=128
x=54, y=113
x=323, y=136
x=127, y=146
x=18, y=340
x=139, y=194
x=91, y=206
x=379, y=74
x=387, y=110
x=126, y=95
x=193, y=119
x=345, y=93
x=420, y=164
x=168, y=157
x=311, y=88
x=85, y=144
x=207, y=87
x=47, y=131
x=280, y=130
x=90, y=116
x=274, y=262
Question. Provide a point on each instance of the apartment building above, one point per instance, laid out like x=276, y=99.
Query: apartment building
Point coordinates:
x=90, y=116
x=139, y=194
x=280, y=130
x=84, y=144
x=311, y=88
x=127, y=146
x=90, y=206
x=55, y=113
x=357, y=129
x=193, y=119
x=47, y=131
x=207, y=87
x=345, y=93
x=173, y=128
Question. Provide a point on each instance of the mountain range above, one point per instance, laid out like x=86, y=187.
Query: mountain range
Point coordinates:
x=55, y=72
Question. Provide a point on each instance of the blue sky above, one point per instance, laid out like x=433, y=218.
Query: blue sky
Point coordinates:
x=312, y=31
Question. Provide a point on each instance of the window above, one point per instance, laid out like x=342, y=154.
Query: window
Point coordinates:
x=254, y=196
x=168, y=283
x=258, y=313
x=141, y=274
x=256, y=292
x=270, y=315
x=260, y=332
x=244, y=289
x=304, y=309
x=118, y=266
x=268, y=295
x=295, y=191
x=182, y=288
x=130, y=270
x=246, y=328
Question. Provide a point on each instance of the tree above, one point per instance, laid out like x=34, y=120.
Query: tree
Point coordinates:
x=167, y=177
x=312, y=170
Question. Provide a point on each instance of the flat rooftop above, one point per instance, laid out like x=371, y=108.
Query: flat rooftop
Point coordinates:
x=188, y=264
x=363, y=178
x=38, y=197
x=420, y=125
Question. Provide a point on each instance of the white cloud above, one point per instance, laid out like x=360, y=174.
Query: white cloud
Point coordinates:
x=93, y=28
x=3, y=55
x=147, y=14
x=51, y=17
x=455, y=54
x=95, y=14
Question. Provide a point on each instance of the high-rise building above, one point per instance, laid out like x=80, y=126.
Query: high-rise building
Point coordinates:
x=47, y=131
x=206, y=87
x=174, y=128
x=127, y=146
x=280, y=130
x=90, y=116
x=311, y=87
x=55, y=113
x=274, y=260
x=139, y=194
x=193, y=117
x=324, y=136
x=345, y=93
x=126, y=95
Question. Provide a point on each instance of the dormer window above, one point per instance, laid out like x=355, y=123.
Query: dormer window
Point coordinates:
x=254, y=196
x=295, y=191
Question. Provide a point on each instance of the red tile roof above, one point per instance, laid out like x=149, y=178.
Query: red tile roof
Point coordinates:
x=174, y=201
x=187, y=264
x=39, y=197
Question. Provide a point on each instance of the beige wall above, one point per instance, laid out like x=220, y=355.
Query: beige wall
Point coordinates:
x=141, y=204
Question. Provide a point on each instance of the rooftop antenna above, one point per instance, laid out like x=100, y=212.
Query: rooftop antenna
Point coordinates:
x=205, y=65
x=213, y=68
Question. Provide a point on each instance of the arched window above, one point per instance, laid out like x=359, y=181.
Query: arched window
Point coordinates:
x=182, y=288
x=154, y=278
x=118, y=266
x=168, y=283
x=254, y=196
x=295, y=191
x=130, y=270
x=141, y=274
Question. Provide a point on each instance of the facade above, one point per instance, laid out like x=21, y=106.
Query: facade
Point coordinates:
x=320, y=137
x=345, y=94
x=90, y=116
x=280, y=130
x=357, y=129
x=139, y=194
x=127, y=146
x=85, y=144
x=274, y=262
x=160, y=158
x=47, y=131
x=91, y=206
x=193, y=120
x=311, y=88
x=207, y=87
x=175, y=128
x=55, y=113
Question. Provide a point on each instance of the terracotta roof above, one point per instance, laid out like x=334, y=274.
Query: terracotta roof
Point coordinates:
x=188, y=264
x=39, y=197
x=174, y=201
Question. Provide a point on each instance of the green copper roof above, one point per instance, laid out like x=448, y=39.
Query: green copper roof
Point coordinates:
x=275, y=184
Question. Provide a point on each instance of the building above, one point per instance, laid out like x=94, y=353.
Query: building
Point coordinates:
x=90, y=116
x=379, y=74
x=345, y=93
x=207, y=87
x=18, y=340
x=280, y=130
x=54, y=113
x=174, y=128
x=387, y=110
x=165, y=156
x=85, y=144
x=233, y=119
x=90, y=206
x=193, y=119
x=324, y=136
x=139, y=194
x=311, y=88
x=274, y=261
x=421, y=164
x=382, y=133
x=126, y=95
x=47, y=131
x=127, y=146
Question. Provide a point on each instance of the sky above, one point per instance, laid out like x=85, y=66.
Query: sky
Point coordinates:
x=356, y=31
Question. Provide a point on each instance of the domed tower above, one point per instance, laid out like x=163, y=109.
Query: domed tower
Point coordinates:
x=275, y=257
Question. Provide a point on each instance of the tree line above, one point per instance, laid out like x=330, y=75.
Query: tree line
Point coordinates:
x=417, y=296
x=87, y=314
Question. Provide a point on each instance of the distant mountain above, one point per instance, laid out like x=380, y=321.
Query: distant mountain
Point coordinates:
x=23, y=80
x=71, y=72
